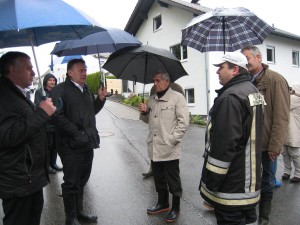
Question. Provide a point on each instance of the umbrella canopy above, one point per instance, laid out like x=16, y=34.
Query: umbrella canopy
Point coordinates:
x=225, y=29
x=111, y=40
x=36, y=22
x=66, y=59
x=140, y=63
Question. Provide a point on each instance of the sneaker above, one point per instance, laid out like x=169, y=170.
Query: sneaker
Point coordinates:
x=285, y=176
x=295, y=180
x=277, y=184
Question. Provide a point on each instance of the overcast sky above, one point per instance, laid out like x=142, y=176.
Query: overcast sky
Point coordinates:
x=115, y=13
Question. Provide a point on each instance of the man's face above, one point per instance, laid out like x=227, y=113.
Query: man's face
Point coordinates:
x=22, y=73
x=225, y=73
x=78, y=73
x=254, y=62
x=160, y=84
x=50, y=83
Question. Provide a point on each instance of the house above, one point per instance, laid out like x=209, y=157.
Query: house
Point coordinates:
x=159, y=23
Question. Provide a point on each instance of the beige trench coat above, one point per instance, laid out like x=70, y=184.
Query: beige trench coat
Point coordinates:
x=168, y=120
x=293, y=136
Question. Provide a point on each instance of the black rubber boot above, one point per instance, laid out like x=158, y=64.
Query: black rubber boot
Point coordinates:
x=162, y=204
x=81, y=216
x=174, y=213
x=264, y=212
x=149, y=173
x=70, y=209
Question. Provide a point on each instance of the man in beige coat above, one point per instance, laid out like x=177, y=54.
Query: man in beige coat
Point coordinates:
x=168, y=119
x=291, y=147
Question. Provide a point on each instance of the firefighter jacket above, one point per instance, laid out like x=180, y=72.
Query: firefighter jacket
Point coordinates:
x=231, y=173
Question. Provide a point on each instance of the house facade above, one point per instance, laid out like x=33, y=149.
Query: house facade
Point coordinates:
x=159, y=23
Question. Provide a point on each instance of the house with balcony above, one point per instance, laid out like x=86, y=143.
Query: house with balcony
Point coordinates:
x=159, y=23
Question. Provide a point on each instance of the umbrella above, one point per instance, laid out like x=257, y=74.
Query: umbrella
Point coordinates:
x=36, y=22
x=111, y=40
x=140, y=63
x=66, y=59
x=225, y=29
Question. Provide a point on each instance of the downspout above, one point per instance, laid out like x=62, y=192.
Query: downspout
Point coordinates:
x=207, y=83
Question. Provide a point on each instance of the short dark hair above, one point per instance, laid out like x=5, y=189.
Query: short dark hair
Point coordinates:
x=241, y=69
x=10, y=59
x=72, y=62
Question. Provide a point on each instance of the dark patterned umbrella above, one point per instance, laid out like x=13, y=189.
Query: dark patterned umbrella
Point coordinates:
x=225, y=29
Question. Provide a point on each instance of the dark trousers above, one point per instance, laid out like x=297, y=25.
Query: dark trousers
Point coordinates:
x=266, y=188
x=52, y=151
x=77, y=167
x=24, y=211
x=166, y=176
x=239, y=217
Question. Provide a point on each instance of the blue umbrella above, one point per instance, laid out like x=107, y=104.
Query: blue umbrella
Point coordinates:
x=36, y=22
x=111, y=40
x=66, y=59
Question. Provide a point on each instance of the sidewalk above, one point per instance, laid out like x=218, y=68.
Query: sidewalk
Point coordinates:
x=121, y=111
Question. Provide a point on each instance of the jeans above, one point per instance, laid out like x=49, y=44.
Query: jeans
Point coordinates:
x=266, y=188
x=272, y=171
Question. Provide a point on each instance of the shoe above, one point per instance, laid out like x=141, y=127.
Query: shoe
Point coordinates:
x=285, y=176
x=208, y=206
x=295, y=180
x=277, y=184
x=174, y=213
x=162, y=204
x=149, y=173
x=51, y=171
x=56, y=167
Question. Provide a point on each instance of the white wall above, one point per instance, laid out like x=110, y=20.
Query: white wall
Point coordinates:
x=169, y=35
x=199, y=65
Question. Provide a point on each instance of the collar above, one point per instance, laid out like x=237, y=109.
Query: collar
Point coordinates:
x=78, y=85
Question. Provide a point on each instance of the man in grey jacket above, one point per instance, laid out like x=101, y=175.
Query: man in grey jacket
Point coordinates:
x=168, y=119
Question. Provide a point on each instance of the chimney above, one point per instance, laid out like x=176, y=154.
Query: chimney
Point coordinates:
x=195, y=1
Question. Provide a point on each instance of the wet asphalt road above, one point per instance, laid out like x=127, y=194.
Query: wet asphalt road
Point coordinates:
x=118, y=193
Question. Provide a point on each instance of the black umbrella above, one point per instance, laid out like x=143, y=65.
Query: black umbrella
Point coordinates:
x=139, y=64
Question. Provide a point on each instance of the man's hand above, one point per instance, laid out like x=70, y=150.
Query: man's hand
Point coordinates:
x=273, y=155
x=102, y=93
x=48, y=106
x=143, y=107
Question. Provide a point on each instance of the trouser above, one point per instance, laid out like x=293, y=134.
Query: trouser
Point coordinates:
x=52, y=151
x=272, y=171
x=266, y=188
x=24, y=210
x=167, y=176
x=238, y=217
x=77, y=167
x=291, y=154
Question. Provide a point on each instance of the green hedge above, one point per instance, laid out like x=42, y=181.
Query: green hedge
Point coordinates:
x=93, y=80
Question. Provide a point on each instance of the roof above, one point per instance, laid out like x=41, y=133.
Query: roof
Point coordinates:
x=142, y=7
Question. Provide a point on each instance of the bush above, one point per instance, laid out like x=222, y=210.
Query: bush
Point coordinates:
x=133, y=100
x=197, y=119
x=93, y=81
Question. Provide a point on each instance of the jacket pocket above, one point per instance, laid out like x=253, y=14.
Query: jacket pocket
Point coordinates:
x=168, y=112
x=80, y=140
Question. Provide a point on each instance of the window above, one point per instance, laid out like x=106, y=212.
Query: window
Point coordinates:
x=157, y=23
x=189, y=95
x=179, y=51
x=295, y=55
x=270, y=54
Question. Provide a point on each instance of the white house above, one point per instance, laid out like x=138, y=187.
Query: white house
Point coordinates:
x=159, y=23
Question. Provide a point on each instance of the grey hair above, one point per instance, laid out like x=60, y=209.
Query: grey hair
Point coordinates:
x=164, y=75
x=253, y=49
